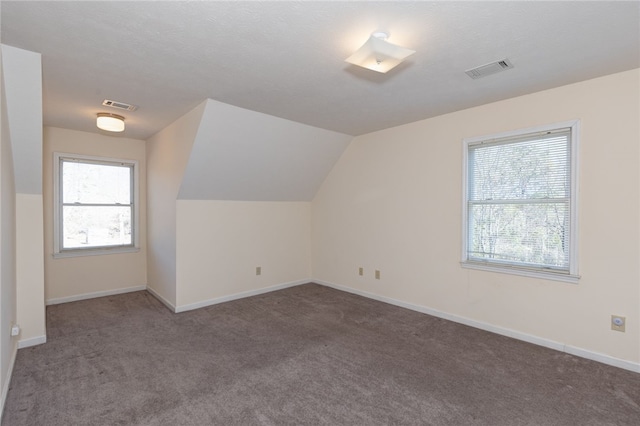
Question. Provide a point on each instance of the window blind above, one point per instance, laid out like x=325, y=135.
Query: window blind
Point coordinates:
x=518, y=200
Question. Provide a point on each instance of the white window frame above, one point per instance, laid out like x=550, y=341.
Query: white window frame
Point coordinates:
x=536, y=272
x=58, y=251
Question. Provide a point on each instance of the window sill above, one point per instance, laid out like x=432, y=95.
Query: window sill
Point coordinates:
x=554, y=276
x=95, y=252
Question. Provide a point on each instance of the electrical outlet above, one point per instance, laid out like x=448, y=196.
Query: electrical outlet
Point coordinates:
x=361, y=271
x=377, y=274
x=258, y=270
x=618, y=323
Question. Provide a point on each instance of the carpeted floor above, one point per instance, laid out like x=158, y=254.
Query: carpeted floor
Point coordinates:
x=306, y=355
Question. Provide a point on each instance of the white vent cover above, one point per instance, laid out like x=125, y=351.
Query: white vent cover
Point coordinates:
x=488, y=69
x=119, y=105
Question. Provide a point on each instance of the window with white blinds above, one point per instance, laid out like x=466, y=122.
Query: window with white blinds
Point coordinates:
x=520, y=202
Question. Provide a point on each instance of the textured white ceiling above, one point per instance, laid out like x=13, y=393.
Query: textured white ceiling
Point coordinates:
x=287, y=58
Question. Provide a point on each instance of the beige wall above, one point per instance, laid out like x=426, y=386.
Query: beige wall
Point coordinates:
x=8, y=345
x=21, y=257
x=393, y=202
x=68, y=278
x=30, y=269
x=203, y=251
x=167, y=155
x=220, y=244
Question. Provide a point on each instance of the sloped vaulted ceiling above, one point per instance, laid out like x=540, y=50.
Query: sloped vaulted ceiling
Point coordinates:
x=23, y=94
x=245, y=155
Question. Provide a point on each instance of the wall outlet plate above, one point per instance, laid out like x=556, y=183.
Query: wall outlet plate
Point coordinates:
x=377, y=274
x=361, y=271
x=618, y=323
x=258, y=270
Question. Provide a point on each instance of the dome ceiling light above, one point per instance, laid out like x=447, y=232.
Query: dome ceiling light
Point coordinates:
x=110, y=122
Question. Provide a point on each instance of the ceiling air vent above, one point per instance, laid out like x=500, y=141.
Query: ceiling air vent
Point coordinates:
x=119, y=105
x=488, y=69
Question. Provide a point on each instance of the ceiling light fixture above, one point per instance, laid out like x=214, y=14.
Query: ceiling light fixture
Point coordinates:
x=110, y=122
x=377, y=54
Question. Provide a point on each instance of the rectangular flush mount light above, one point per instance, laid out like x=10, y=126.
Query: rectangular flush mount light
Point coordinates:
x=377, y=54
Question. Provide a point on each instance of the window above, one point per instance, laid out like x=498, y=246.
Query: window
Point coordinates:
x=95, y=208
x=520, y=192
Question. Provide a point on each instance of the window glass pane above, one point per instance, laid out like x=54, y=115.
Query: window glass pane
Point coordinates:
x=91, y=226
x=88, y=183
x=530, y=169
x=530, y=234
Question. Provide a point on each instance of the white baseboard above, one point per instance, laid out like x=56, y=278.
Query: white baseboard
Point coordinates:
x=583, y=353
x=5, y=387
x=240, y=295
x=33, y=341
x=85, y=296
x=164, y=301
x=603, y=358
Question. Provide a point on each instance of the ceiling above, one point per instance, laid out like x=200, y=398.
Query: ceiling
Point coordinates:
x=287, y=58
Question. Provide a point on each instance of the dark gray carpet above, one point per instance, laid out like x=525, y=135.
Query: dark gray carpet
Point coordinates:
x=300, y=356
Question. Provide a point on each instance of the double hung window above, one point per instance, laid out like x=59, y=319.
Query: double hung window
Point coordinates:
x=95, y=205
x=520, y=193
